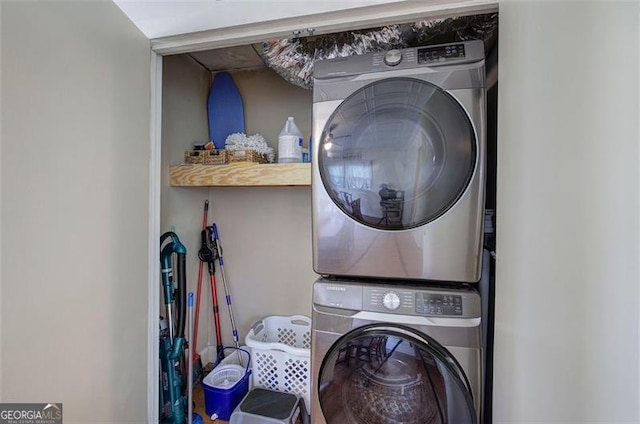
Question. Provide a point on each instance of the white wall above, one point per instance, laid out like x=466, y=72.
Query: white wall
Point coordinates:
x=75, y=180
x=1, y=207
x=567, y=299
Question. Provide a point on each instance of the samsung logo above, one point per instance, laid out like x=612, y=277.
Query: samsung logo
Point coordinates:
x=337, y=288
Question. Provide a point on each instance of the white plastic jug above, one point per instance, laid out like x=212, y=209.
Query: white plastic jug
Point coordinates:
x=290, y=143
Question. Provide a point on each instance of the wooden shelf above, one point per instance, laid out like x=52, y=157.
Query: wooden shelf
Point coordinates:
x=241, y=175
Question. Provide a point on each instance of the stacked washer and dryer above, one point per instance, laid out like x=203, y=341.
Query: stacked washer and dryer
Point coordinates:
x=398, y=181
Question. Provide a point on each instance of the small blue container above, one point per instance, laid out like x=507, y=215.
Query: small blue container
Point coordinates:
x=222, y=399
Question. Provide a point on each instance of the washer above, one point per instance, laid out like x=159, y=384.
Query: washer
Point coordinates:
x=398, y=174
x=393, y=353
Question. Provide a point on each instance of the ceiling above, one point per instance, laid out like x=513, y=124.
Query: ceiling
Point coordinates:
x=167, y=18
x=230, y=58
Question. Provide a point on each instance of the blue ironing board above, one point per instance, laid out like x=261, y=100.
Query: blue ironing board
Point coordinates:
x=225, y=109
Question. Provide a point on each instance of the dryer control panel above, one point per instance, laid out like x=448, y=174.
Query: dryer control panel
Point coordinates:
x=400, y=59
x=440, y=53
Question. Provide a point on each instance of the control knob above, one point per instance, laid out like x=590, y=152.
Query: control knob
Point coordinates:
x=393, y=57
x=391, y=301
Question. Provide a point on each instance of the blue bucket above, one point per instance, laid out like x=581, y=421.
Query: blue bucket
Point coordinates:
x=223, y=400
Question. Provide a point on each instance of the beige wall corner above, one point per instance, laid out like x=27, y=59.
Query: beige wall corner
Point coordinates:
x=567, y=294
x=1, y=398
x=75, y=190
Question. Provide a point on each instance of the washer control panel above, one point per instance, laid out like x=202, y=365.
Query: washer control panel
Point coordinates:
x=389, y=299
x=460, y=301
x=438, y=304
x=412, y=302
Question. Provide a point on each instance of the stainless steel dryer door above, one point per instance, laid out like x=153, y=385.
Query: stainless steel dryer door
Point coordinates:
x=397, y=154
x=389, y=374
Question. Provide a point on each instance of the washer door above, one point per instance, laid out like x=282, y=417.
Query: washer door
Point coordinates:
x=397, y=153
x=389, y=374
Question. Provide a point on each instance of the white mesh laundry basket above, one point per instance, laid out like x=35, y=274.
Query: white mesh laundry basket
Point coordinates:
x=281, y=354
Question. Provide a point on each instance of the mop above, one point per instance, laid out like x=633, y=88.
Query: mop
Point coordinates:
x=216, y=240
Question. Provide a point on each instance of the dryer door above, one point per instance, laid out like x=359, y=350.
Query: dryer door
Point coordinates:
x=397, y=153
x=389, y=374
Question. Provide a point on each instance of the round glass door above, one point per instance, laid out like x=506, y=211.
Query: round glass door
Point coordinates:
x=397, y=154
x=389, y=374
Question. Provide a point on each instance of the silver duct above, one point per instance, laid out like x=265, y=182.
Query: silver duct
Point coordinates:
x=293, y=59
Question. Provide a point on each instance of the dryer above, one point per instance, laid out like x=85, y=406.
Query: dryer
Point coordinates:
x=394, y=353
x=398, y=170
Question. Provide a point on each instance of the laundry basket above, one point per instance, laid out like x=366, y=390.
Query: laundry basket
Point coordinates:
x=281, y=354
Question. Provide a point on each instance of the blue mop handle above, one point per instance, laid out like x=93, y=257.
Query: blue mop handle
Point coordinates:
x=234, y=328
x=217, y=240
x=214, y=228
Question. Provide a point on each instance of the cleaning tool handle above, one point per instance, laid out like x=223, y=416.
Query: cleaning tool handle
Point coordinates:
x=214, y=228
x=181, y=299
x=205, y=216
x=177, y=246
x=190, y=362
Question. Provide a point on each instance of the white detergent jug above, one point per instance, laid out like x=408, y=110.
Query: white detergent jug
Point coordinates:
x=290, y=143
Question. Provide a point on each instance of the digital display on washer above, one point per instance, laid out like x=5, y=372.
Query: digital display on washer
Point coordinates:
x=438, y=304
x=441, y=53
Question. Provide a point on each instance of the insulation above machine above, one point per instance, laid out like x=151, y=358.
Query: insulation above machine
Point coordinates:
x=293, y=59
